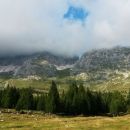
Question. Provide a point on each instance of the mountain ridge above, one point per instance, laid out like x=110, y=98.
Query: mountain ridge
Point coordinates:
x=102, y=59
x=42, y=64
x=48, y=64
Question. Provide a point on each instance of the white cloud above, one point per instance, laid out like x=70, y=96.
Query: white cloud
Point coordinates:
x=36, y=25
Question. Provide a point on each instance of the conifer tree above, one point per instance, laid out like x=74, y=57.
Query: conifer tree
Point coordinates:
x=128, y=101
x=26, y=100
x=81, y=101
x=99, y=103
x=35, y=102
x=107, y=97
x=62, y=102
x=1, y=98
x=52, y=102
x=10, y=97
x=70, y=99
x=90, y=103
x=118, y=104
x=41, y=103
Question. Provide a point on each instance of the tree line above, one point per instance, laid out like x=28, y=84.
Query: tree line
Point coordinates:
x=77, y=100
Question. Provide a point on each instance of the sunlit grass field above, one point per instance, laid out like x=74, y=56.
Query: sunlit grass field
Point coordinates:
x=42, y=122
x=42, y=84
x=122, y=85
x=116, y=82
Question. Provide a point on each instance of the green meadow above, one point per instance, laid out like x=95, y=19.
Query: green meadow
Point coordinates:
x=52, y=122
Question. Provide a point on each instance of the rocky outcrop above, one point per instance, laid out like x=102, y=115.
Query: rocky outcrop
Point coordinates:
x=41, y=64
x=117, y=58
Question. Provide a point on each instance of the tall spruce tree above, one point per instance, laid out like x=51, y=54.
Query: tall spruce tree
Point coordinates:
x=71, y=99
x=107, y=97
x=26, y=100
x=1, y=98
x=62, y=102
x=10, y=97
x=41, y=103
x=128, y=101
x=81, y=101
x=75, y=107
x=90, y=103
x=118, y=104
x=53, y=100
x=99, y=103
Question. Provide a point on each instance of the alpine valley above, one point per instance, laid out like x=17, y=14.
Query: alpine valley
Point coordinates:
x=101, y=69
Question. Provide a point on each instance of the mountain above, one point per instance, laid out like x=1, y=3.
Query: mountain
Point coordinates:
x=41, y=64
x=102, y=69
x=96, y=64
x=117, y=58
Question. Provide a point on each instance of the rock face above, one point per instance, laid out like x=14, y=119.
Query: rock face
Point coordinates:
x=56, y=59
x=41, y=64
x=117, y=58
x=47, y=64
x=31, y=68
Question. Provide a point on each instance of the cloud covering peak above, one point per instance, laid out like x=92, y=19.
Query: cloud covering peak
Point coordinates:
x=67, y=27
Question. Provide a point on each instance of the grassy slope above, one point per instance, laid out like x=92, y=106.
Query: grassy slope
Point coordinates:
x=39, y=122
x=114, y=82
x=122, y=85
x=36, y=84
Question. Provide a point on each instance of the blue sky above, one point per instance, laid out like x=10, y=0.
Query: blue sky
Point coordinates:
x=76, y=14
x=67, y=27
